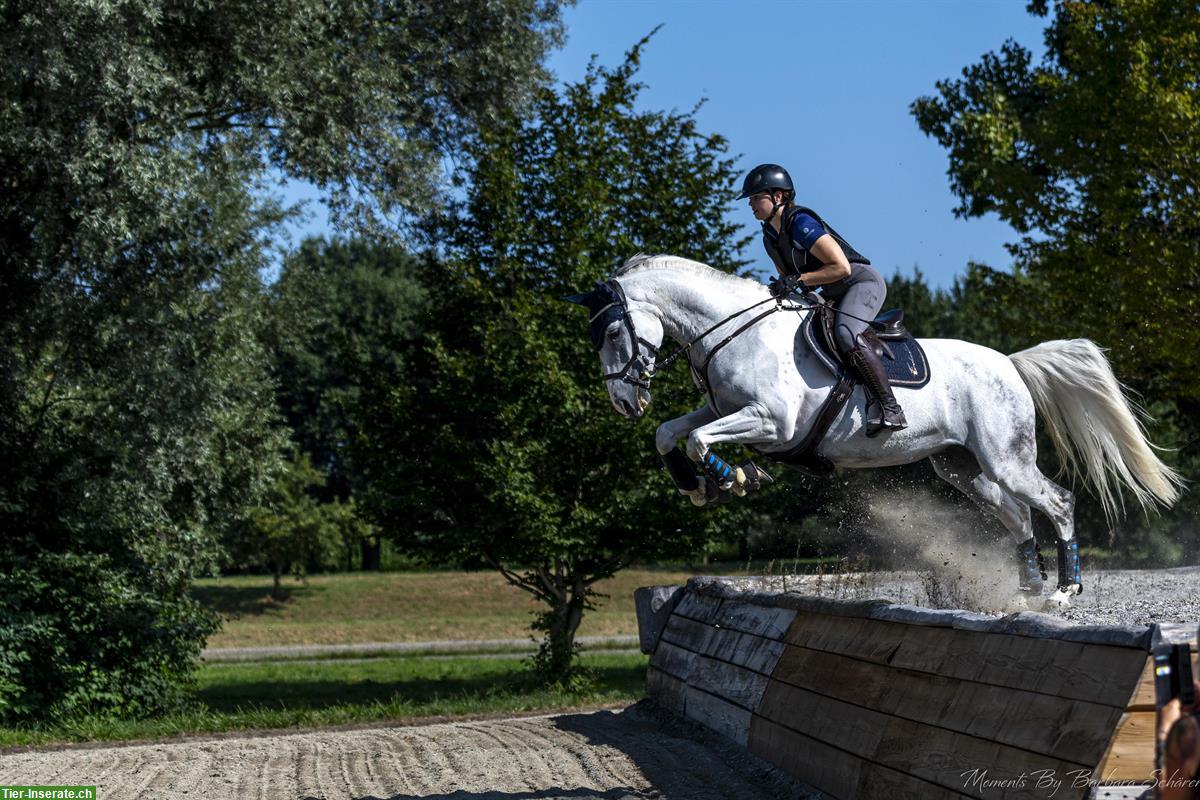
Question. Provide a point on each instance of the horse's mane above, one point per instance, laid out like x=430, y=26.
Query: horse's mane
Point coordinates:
x=645, y=262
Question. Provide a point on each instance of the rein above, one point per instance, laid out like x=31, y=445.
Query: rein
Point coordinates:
x=640, y=368
x=702, y=373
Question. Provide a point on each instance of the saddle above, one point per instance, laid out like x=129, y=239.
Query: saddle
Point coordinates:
x=901, y=354
x=902, y=357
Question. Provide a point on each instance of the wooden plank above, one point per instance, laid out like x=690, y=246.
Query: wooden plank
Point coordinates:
x=769, y=621
x=669, y=692
x=735, y=684
x=718, y=715
x=673, y=660
x=1072, y=730
x=700, y=607
x=1130, y=757
x=744, y=649
x=1144, y=696
x=741, y=687
x=834, y=771
x=937, y=755
x=1095, y=673
x=826, y=768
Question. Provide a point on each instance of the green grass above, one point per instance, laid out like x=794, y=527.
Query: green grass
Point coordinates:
x=420, y=606
x=248, y=696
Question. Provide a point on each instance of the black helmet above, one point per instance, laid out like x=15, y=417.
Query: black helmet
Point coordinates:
x=764, y=178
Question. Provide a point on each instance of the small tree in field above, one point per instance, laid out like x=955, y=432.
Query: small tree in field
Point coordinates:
x=290, y=530
x=503, y=444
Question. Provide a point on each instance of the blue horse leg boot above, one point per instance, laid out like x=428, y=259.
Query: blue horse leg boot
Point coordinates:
x=1069, y=572
x=1031, y=567
x=720, y=472
x=680, y=470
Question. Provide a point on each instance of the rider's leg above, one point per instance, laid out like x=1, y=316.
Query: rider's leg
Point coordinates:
x=861, y=303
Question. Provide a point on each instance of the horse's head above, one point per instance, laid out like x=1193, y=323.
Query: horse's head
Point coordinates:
x=627, y=334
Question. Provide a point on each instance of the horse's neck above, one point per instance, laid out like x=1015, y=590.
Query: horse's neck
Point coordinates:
x=689, y=303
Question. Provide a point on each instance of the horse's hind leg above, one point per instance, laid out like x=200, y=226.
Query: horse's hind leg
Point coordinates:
x=1017, y=473
x=958, y=467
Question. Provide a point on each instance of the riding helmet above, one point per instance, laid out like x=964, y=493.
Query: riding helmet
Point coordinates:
x=764, y=178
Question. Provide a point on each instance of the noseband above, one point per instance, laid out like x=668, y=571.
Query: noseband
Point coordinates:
x=639, y=369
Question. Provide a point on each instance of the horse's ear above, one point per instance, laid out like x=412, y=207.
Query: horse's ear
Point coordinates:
x=578, y=299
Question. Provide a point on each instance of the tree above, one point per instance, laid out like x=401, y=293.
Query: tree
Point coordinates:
x=289, y=530
x=135, y=397
x=503, y=444
x=1092, y=156
x=344, y=314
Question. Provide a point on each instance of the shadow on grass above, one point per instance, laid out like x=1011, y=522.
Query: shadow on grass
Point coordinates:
x=311, y=695
x=247, y=601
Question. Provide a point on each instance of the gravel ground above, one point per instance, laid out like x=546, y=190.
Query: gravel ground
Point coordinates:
x=1110, y=597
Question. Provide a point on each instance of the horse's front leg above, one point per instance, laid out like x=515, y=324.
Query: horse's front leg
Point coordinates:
x=681, y=472
x=752, y=424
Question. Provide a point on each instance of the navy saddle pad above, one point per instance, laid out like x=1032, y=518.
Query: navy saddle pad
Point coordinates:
x=903, y=357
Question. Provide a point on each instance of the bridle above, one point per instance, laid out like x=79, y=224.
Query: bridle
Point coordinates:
x=639, y=369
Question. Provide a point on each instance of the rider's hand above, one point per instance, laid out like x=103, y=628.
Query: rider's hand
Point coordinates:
x=782, y=287
x=1179, y=732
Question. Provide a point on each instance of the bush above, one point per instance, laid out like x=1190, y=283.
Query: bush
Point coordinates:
x=78, y=635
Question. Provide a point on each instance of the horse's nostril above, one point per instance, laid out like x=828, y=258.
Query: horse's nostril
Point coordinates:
x=628, y=408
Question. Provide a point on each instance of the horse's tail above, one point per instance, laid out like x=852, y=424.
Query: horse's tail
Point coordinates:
x=1093, y=424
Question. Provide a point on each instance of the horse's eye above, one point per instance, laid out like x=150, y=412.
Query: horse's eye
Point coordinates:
x=614, y=334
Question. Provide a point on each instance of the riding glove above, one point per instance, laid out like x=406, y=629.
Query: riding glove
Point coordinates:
x=782, y=287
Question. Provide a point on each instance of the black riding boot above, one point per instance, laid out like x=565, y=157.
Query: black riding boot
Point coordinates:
x=888, y=415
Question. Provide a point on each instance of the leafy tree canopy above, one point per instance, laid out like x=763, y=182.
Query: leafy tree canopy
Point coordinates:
x=1093, y=156
x=135, y=393
x=344, y=314
x=508, y=443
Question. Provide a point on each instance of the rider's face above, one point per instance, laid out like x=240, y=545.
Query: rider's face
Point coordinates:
x=761, y=204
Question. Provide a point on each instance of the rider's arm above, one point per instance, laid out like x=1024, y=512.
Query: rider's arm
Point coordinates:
x=835, y=268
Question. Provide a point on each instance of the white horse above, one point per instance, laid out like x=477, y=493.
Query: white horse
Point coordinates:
x=974, y=420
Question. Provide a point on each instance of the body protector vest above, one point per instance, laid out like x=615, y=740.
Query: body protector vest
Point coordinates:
x=790, y=258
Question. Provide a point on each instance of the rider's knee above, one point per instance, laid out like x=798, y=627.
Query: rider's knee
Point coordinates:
x=664, y=439
x=844, y=336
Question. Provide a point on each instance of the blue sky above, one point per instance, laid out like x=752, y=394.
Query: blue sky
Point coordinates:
x=824, y=89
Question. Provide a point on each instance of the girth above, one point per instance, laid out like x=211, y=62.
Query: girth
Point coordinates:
x=902, y=356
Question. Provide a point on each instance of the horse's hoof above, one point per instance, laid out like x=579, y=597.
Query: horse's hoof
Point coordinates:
x=739, y=482
x=1061, y=598
x=699, y=495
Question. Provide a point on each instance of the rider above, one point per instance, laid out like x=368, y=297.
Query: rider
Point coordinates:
x=809, y=253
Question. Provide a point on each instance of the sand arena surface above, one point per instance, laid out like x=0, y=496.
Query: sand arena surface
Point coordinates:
x=635, y=752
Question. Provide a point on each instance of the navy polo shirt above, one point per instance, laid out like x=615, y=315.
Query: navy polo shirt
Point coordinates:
x=805, y=230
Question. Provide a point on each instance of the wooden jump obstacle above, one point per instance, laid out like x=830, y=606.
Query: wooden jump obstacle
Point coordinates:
x=864, y=699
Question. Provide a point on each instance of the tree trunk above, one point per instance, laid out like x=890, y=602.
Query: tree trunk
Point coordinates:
x=372, y=552
x=277, y=590
x=555, y=660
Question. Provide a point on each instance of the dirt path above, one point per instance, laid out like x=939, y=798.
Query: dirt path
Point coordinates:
x=603, y=755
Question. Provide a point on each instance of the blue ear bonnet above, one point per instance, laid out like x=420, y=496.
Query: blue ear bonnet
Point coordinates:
x=605, y=305
x=614, y=312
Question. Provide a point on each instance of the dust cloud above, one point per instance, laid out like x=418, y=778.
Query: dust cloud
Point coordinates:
x=961, y=559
